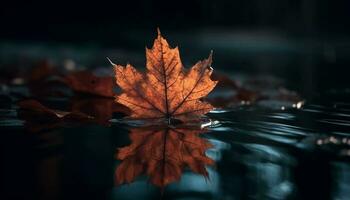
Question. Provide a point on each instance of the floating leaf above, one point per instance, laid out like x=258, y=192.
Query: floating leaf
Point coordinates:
x=39, y=117
x=101, y=109
x=166, y=90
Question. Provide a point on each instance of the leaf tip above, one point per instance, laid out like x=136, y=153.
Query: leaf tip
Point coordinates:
x=158, y=32
x=210, y=59
x=110, y=61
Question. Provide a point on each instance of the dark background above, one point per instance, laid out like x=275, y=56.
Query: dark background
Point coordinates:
x=73, y=21
x=302, y=41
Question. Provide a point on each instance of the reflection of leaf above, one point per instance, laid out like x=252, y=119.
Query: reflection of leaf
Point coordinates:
x=167, y=90
x=86, y=82
x=162, y=153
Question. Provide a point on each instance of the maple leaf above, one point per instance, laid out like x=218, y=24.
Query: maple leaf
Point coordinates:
x=162, y=153
x=39, y=117
x=166, y=90
x=101, y=109
x=91, y=110
x=41, y=71
x=37, y=108
x=87, y=82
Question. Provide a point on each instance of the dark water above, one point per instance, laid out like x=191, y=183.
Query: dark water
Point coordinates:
x=260, y=152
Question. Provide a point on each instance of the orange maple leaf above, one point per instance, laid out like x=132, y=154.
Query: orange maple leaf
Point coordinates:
x=166, y=90
x=162, y=153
